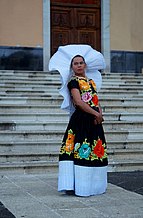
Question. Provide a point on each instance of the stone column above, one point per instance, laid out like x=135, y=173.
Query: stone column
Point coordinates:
x=46, y=34
x=105, y=32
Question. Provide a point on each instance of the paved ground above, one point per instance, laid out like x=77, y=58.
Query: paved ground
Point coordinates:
x=36, y=196
x=132, y=181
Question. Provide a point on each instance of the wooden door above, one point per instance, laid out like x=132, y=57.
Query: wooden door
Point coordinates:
x=75, y=24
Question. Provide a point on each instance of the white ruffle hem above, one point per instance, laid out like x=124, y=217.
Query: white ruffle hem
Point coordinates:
x=85, y=181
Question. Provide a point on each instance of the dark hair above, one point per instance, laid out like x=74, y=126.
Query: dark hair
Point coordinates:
x=76, y=56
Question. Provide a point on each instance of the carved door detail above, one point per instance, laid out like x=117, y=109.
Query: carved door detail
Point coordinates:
x=70, y=25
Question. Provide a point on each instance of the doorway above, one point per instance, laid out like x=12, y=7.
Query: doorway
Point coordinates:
x=75, y=24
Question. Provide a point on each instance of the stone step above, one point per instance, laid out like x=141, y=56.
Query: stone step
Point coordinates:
x=120, y=86
x=33, y=116
x=121, y=101
x=61, y=125
x=56, y=99
x=16, y=82
x=42, y=108
x=28, y=167
x=23, y=83
x=122, y=75
x=122, y=108
x=31, y=80
x=123, y=81
x=107, y=76
x=50, y=86
x=116, y=155
x=29, y=73
x=55, y=92
x=47, y=86
x=48, y=83
x=48, y=166
x=34, y=89
x=49, y=99
x=24, y=135
x=48, y=145
x=28, y=156
x=61, y=115
x=123, y=116
x=125, y=144
x=118, y=92
x=29, y=94
x=113, y=156
x=126, y=165
x=21, y=136
x=48, y=77
x=111, y=76
x=42, y=87
x=127, y=125
x=126, y=89
x=30, y=108
x=56, y=74
x=135, y=134
x=53, y=145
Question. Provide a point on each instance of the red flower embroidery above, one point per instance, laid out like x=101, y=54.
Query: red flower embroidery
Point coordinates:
x=99, y=149
x=95, y=100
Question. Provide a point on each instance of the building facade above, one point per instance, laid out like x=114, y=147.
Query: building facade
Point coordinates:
x=32, y=30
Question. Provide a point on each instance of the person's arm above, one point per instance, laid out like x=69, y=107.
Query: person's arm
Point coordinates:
x=85, y=107
x=100, y=111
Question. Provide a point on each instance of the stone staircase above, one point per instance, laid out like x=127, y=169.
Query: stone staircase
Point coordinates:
x=32, y=124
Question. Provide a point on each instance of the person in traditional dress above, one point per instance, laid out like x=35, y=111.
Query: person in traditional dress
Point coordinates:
x=83, y=154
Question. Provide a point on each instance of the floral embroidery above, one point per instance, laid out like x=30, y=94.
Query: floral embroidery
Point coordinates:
x=98, y=150
x=94, y=152
x=76, y=154
x=68, y=146
x=70, y=141
x=93, y=84
x=84, y=150
x=86, y=97
x=77, y=145
x=83, y=85
x=95, y=100
x=86, y=89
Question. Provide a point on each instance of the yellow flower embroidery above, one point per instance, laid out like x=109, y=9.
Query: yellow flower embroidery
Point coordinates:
x=70, y=141
x=84, y=85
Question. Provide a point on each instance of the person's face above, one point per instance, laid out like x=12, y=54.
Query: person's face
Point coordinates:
x=78, y=66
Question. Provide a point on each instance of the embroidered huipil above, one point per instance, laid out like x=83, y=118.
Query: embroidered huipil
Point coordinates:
x=83, y=141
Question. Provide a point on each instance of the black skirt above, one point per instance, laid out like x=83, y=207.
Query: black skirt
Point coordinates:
x=84, y=142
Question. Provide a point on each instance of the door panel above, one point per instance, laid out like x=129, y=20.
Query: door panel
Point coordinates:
x=60, y=38
x=87, y=37
x=88, y=18
x=75, y=25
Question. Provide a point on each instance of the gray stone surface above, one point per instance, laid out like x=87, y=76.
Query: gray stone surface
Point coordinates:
x=132, y=181
x=36, y=196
